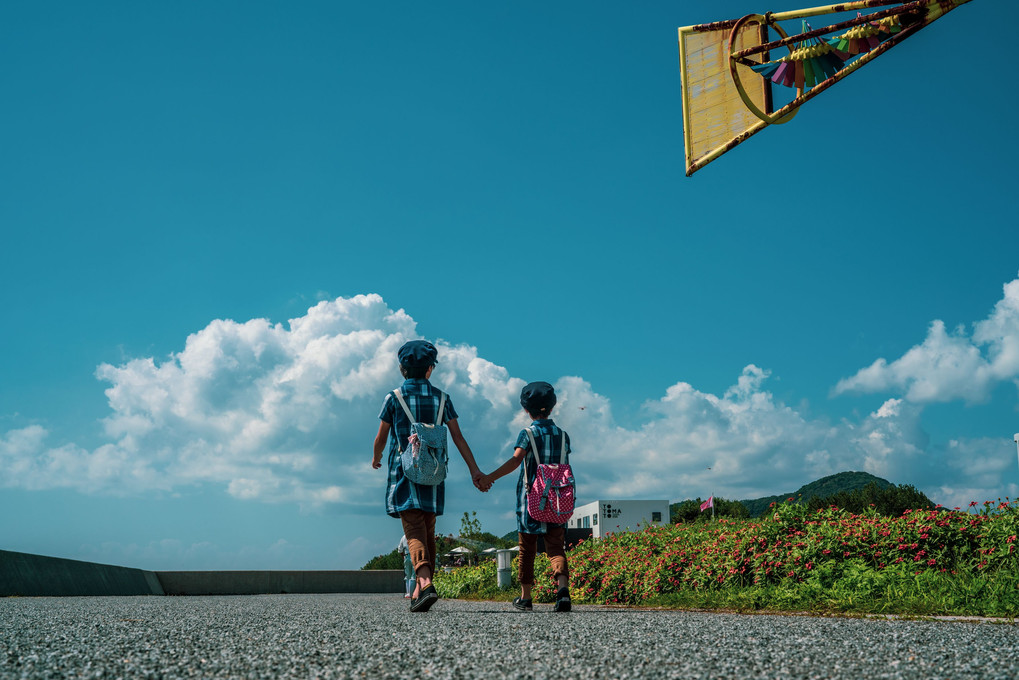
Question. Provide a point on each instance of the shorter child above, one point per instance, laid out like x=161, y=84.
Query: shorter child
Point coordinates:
x=538, y=399
x=410, y=578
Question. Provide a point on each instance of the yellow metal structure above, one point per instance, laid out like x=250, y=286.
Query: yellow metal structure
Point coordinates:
x=725, y=101
x=713, y=110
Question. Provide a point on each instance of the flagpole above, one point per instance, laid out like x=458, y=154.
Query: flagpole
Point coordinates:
x=712, y=506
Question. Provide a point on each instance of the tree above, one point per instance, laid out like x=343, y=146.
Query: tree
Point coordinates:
x=889, y=501
x=470, y=526
x=690, y=510
x=393, y=560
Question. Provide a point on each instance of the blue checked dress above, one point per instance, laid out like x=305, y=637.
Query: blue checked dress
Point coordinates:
x=401, y=493
x=549, y=439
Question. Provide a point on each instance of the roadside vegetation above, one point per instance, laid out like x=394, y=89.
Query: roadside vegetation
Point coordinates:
x=827, y=560
x=471, y=537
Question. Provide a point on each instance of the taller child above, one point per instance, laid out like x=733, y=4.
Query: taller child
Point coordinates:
x=418, y=505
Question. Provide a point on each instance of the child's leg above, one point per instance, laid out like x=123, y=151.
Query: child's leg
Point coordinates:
x=528, y=549
x=416, y=528
x=430, y=528
x=408, y=574
x=555, y=548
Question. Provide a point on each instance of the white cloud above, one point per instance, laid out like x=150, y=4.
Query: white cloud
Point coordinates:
x=286, y=413
x=948, y=366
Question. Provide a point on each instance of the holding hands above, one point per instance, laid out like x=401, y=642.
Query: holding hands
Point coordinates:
x=482, y=481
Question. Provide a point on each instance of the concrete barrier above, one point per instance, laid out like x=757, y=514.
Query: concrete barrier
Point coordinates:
x=264, y=582
x=36, y=575
x=39, y=576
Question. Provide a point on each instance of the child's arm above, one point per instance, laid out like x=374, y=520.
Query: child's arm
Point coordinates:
x=509, y=466
x=380, y=444
x=465, y=452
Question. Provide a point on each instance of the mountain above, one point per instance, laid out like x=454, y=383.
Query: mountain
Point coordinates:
x=824, y=487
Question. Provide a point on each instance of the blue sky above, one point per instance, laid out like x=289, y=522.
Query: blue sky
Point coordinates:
x=220, y=220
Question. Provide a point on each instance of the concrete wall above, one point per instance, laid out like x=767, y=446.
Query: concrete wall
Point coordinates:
x=35, y=575
x=258, y=582
x=38, y=576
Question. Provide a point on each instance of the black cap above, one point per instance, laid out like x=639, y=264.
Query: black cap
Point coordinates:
x=537, y=396
x=417, y=354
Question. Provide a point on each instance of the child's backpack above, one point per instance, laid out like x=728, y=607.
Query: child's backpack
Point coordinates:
x=425, y=460
x=551, y=496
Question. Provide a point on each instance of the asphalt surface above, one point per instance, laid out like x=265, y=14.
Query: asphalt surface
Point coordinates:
x=374, y=636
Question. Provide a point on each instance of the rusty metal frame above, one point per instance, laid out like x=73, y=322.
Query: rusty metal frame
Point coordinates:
x=800, y=13
x=817, y=32
x=933, y=10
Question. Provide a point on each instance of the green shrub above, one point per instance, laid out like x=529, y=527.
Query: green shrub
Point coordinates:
x=926, y=561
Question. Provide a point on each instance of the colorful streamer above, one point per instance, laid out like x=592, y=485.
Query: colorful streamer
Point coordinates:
x=865, y=37
x=811, y=62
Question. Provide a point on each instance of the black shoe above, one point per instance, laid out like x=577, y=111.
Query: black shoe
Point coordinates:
x=523, y=605
x=562, y=600
x=427, y=599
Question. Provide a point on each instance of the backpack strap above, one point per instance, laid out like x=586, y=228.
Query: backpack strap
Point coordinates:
x=534, y=448
x=403, y=403
x=410, y=416
x=534, y=451
x=442, y=408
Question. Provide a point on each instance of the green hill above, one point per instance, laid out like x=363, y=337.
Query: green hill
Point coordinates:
x=842, y=482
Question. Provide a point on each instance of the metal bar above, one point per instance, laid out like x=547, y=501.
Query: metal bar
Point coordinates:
x=766, y=56
x=686, y=106
x=831, y=9
x=849, y=23
x=800, y=13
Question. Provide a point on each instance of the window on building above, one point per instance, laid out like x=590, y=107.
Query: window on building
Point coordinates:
x=594, y=519
x=587, y=521
x=656, y=517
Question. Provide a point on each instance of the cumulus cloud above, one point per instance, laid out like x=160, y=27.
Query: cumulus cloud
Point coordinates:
x=276, y=412
x=951, y=365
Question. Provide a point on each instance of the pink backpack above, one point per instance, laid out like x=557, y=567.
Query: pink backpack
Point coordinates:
x=550, y=498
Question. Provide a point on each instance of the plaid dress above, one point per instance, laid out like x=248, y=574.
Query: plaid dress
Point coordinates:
x=549, y=439
x=401, y=493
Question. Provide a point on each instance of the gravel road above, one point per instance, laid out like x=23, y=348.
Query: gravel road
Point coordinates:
x=373, y=636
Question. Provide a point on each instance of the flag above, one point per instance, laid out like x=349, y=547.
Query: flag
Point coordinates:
x=710, y=503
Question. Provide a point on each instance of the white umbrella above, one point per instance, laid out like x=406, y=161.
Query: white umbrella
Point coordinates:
x=461, y=550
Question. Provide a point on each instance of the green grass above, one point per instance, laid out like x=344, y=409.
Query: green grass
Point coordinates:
x=923, y=563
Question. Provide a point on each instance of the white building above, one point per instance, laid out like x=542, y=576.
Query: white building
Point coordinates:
x=606, y=517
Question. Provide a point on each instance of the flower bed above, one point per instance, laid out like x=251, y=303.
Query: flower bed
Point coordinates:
x=923, y=562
